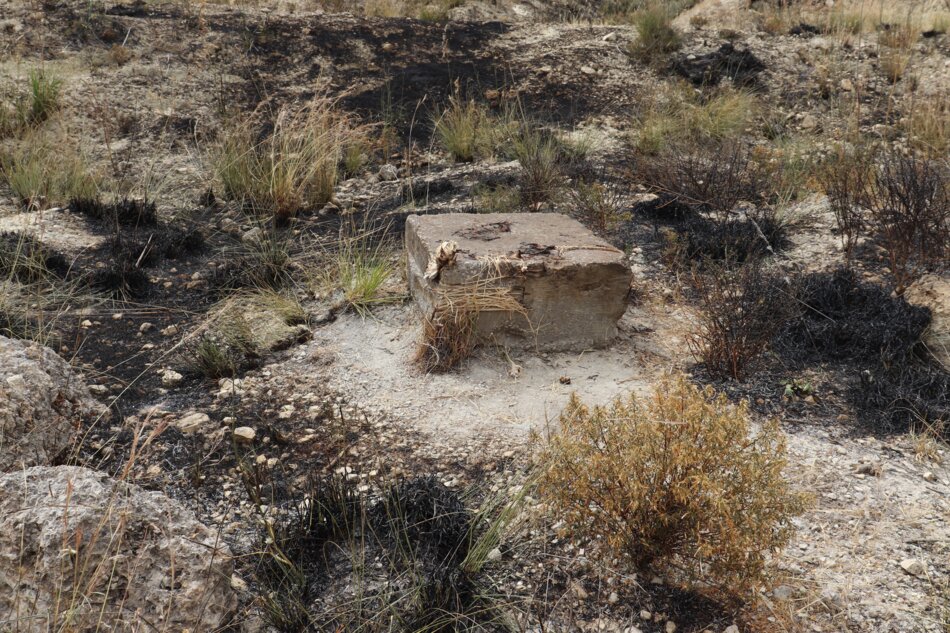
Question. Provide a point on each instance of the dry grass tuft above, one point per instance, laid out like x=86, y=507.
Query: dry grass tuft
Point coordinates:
x=40, y=172
x=294, y=167
x=674, y=483
x=928, y=125
x=656, y=36
x=449, y=332
x=679, y=116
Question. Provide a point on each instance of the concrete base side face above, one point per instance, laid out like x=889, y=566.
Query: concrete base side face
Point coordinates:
x=570, y=285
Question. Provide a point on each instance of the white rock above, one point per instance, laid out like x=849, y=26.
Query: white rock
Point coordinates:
x=193, y=421
x=914, y=567
x=171, y=378
x=41, y=403
x=244, y=434
x=252, y=236
x=388, y=172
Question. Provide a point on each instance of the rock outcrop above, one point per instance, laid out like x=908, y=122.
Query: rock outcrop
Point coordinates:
x=82, y=551
x=41, y=403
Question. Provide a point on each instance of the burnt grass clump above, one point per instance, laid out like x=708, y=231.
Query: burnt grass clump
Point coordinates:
x=27, y=260
x=121, y=280
x=709, y=69
x=418, y=529
x=843, y=318
x=129, y=253
x=124, y=212
x=151, y=249
x=735, y=241
x=894, y=384
x=664, y=208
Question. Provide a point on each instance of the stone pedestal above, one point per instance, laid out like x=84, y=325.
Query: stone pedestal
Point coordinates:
x=571, y=285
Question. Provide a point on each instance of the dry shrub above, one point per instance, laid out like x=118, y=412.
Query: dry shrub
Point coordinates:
x=742, y=311
x=673, y=482
x=909, y=205
x=598, y=203
x=843, y=178
x=710, y=179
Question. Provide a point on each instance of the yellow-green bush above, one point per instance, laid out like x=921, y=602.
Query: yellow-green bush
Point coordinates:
x=674, y=482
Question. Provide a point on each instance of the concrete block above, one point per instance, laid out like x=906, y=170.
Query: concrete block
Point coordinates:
x=571, y=285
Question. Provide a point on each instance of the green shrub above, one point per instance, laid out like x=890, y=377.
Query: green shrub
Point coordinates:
x=673, y=483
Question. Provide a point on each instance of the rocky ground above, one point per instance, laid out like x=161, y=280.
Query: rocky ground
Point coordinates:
x=148, y=88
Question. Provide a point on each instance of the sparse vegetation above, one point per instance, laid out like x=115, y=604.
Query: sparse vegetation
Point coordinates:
x=674, y=482
x=263, y=260
x=188, y=193
x=496, y=199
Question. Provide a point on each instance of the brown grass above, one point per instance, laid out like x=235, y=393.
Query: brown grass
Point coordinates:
x=449, y=331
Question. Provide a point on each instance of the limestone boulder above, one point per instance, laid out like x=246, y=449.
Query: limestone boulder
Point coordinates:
x=933, y=292
x=42, y=401
x=541, y=280
x=81, y=551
